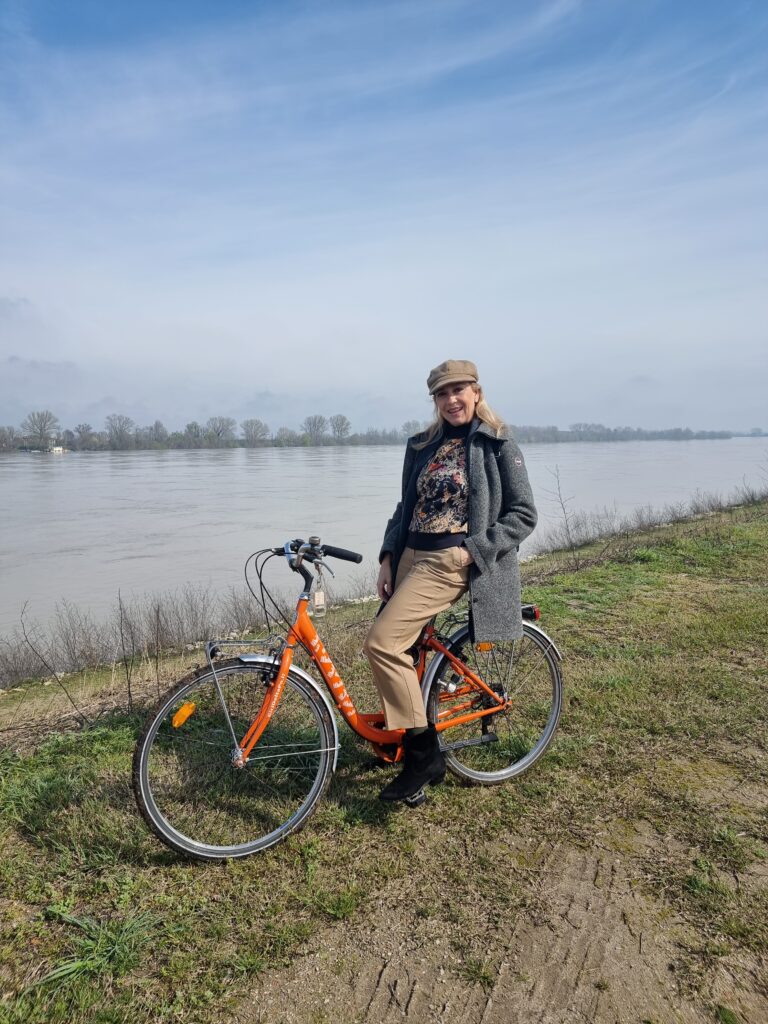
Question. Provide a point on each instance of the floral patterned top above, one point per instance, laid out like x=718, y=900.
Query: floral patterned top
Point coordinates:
x=441, y=503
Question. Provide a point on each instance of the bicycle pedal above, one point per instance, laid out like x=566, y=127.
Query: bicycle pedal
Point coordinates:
x=417, y=799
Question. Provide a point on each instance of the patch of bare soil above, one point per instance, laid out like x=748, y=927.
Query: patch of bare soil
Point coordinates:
x=591, y=946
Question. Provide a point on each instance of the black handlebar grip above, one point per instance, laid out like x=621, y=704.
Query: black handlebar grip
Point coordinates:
x=347, y=556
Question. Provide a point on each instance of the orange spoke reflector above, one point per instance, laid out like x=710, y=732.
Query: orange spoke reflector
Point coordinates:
x=484, y=647
x=186, y=709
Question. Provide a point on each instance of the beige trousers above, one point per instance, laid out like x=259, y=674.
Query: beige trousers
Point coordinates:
x=427, y=582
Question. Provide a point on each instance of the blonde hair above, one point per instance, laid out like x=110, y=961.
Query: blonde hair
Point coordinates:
x=483, y=411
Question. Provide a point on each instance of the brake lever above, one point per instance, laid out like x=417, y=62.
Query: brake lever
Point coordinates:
x=324, y=567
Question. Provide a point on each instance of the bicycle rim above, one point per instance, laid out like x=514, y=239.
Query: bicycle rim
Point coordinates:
x=190, y=792
x=506, y=743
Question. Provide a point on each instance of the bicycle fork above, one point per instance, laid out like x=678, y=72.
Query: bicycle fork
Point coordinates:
x=237, y=753
x=240, y=751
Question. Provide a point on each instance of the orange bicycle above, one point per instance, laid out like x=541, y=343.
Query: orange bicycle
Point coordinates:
x=236, y=756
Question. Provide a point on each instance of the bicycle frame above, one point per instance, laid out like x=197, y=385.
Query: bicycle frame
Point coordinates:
x=192, y=787
x=369, y=727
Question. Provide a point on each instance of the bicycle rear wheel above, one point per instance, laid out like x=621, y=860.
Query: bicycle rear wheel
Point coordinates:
x=189, y=791
x=507, y=743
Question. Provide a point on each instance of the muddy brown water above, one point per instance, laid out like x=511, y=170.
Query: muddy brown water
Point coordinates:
x=81, y=526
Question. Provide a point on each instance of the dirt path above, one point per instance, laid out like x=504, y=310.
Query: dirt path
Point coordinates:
x=592, y=947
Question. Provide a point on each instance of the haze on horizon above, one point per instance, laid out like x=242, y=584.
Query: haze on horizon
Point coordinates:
x=291, y=208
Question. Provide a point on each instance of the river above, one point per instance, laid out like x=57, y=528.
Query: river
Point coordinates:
x=83, y=525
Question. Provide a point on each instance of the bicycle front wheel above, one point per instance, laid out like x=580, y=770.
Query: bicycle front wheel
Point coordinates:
x=187, y=787
x=506, y=743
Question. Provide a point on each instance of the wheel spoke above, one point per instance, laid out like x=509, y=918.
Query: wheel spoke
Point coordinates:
x=191, y=791
x=528, y=674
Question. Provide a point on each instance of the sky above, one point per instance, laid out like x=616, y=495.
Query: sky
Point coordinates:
x=277, y=209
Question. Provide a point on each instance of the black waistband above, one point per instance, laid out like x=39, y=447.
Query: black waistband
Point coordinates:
x=435, y=541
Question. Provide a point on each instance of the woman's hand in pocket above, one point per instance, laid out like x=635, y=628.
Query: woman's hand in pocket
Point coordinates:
x=384, y=582
x=465, y=556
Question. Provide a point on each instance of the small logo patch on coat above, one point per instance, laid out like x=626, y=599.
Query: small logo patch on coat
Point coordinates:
x=518, y=461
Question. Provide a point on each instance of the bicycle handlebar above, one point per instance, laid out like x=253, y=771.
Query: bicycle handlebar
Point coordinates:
x=314, y=549
x=342, y=553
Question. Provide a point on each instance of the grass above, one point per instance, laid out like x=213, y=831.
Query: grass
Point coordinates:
x=110, y=948
x=477, y=972
x=663, y=737
x=725, y=1016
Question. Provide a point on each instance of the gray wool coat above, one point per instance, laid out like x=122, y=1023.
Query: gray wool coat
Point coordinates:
x=500, y=515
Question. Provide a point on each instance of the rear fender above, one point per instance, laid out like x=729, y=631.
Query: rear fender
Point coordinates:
x=532, y=627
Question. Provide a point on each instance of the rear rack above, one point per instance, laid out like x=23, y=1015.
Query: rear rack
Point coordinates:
x=273, y=645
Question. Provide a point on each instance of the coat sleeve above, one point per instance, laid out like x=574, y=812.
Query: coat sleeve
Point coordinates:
x=517, y=516
x=392, y=531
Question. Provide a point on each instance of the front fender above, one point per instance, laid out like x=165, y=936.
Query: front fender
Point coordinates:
x=268, y=661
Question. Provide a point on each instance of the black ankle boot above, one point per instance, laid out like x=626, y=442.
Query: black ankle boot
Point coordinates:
x=423, y=764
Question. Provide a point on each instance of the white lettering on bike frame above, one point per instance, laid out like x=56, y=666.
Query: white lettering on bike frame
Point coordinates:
x=331, y=676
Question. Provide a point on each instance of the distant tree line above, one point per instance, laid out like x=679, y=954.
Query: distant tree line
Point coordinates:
x=599, y=432
x=41, y=430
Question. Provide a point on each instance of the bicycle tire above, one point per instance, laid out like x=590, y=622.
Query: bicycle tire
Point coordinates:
x=186, y=786
x=501, y=746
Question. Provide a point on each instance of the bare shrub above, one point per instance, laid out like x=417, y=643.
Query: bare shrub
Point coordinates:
x=645, y=517
x=360, y=588
x=17, y=661
x=129, y=638
x=674, y=512
x=154, y=627
x=749, y=494
x=575, y=530
x=78, y=640
x=703, y=502
x=190, y=615
x=239, y=612
x=39, y=644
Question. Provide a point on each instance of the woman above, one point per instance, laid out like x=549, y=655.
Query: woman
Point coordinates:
x=466, y=505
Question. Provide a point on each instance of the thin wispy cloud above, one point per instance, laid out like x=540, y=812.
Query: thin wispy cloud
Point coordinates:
x=581, y=180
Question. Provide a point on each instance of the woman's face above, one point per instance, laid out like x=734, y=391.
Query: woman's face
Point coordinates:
x=456, y=403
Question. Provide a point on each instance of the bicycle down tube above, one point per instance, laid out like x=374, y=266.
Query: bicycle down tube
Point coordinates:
x=303, y=632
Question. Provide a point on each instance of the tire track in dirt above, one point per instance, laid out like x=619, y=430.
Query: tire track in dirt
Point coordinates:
x=599, y=956
x=597, y=951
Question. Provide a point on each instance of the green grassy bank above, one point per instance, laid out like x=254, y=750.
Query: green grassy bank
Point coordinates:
x=664, y=636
